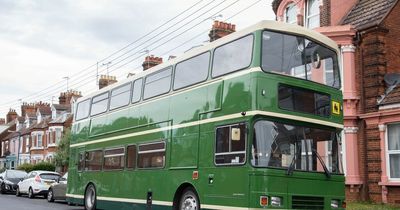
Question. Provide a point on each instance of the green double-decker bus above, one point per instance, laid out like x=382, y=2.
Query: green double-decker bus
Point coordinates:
x=249, y=121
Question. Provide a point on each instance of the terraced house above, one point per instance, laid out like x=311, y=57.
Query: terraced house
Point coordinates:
x=368, y=34
x=37, y=132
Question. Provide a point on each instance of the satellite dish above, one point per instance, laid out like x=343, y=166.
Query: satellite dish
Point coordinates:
x=392, y=79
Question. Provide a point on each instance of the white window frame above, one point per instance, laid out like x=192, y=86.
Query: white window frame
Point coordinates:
x=41, y=140
x=388, y=153
x=26, y=144
x=307, y=12
x=292, y=5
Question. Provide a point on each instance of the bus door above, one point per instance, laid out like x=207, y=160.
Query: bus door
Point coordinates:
x=227, y=180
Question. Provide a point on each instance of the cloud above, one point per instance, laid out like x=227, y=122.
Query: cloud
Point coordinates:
x=43, y=41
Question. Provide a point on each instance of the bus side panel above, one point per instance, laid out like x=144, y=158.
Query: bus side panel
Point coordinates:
x=80, y=131
x=116, y=120
x=185, y=107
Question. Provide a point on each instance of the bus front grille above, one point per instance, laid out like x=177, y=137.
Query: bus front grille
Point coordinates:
x=305, y=202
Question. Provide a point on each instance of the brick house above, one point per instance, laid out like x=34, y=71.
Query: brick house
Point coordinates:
x=4, y=144
x=368, y=35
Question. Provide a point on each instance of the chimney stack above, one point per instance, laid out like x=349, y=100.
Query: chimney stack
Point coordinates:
x=27, y=108
x=65, y=97
x=2, y=121
x=105, y=81
x=221, y=29
x=11, y=115
x=151, y=61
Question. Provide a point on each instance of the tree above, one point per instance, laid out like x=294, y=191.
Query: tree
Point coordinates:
x=62, y=154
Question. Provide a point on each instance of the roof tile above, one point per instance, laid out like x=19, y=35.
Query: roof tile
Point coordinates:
x=367, y=12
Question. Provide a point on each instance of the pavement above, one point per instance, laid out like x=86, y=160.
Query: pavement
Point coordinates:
x=12, y=202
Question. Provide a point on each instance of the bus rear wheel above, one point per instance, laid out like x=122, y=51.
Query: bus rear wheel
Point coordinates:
x=90, y=198
x=189, y=200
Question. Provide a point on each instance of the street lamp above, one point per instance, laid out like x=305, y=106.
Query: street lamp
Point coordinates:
x=66, y=78
x=106, y=64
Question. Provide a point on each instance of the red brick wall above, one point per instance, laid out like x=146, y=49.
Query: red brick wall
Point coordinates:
x=378, y=54
x=325, y=13
x=394, y=195
x=392, y=23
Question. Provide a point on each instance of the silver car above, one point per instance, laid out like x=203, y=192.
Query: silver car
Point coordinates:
x=58, y=190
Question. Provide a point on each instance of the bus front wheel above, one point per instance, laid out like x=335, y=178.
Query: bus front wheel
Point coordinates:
x=189, y=200
x=90, y=198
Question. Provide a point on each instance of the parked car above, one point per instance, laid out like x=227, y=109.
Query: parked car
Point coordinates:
x=58, y=190
x=9, y=180
x=37, y=183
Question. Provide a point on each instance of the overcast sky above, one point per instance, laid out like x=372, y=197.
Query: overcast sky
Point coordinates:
x=43, y=41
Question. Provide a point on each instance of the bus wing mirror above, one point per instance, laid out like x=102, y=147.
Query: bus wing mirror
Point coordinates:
x=235, y=134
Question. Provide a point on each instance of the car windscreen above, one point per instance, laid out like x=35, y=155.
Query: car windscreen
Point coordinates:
x=15, y=174
x=49, y=176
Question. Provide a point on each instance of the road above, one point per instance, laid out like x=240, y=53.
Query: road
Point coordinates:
x=12, y=202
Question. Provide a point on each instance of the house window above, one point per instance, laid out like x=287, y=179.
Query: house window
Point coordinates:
x=393, y=151
x=27, y=144
x=312, y=14
x=39, y=140
x=291, y=14
x=58, y=135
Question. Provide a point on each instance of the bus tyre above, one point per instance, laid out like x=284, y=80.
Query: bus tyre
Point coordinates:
x=30, y=193
x=50, y=196
x=90, y=198
x=189, y=200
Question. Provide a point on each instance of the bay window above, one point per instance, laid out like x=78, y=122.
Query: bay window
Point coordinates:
x=393, y=151
x=312, y=14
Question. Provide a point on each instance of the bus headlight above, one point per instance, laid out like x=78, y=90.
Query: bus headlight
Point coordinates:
x=276, y=201
x=334, y=204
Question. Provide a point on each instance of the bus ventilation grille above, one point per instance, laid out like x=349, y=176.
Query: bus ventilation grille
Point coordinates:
x=304, y=202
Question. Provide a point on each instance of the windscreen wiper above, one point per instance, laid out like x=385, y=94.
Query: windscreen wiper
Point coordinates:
x=291, y=166
x=327, y=173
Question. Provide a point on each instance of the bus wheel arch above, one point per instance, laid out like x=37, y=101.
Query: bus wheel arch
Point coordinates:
x=185, y=187
x=90, y=190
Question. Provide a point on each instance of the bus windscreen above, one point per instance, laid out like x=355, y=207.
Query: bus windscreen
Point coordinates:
x=299, y=57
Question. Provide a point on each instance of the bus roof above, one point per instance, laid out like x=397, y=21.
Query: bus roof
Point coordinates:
x=265, y=24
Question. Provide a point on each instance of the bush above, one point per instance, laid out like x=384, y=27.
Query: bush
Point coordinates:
x=26, y=167
x=44, y=166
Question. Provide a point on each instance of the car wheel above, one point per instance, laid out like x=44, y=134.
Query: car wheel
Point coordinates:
x=90, y=198
x=50, y=196
x=189, y=200
x=18, y=193
x=30, y=193
x=2, y=189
